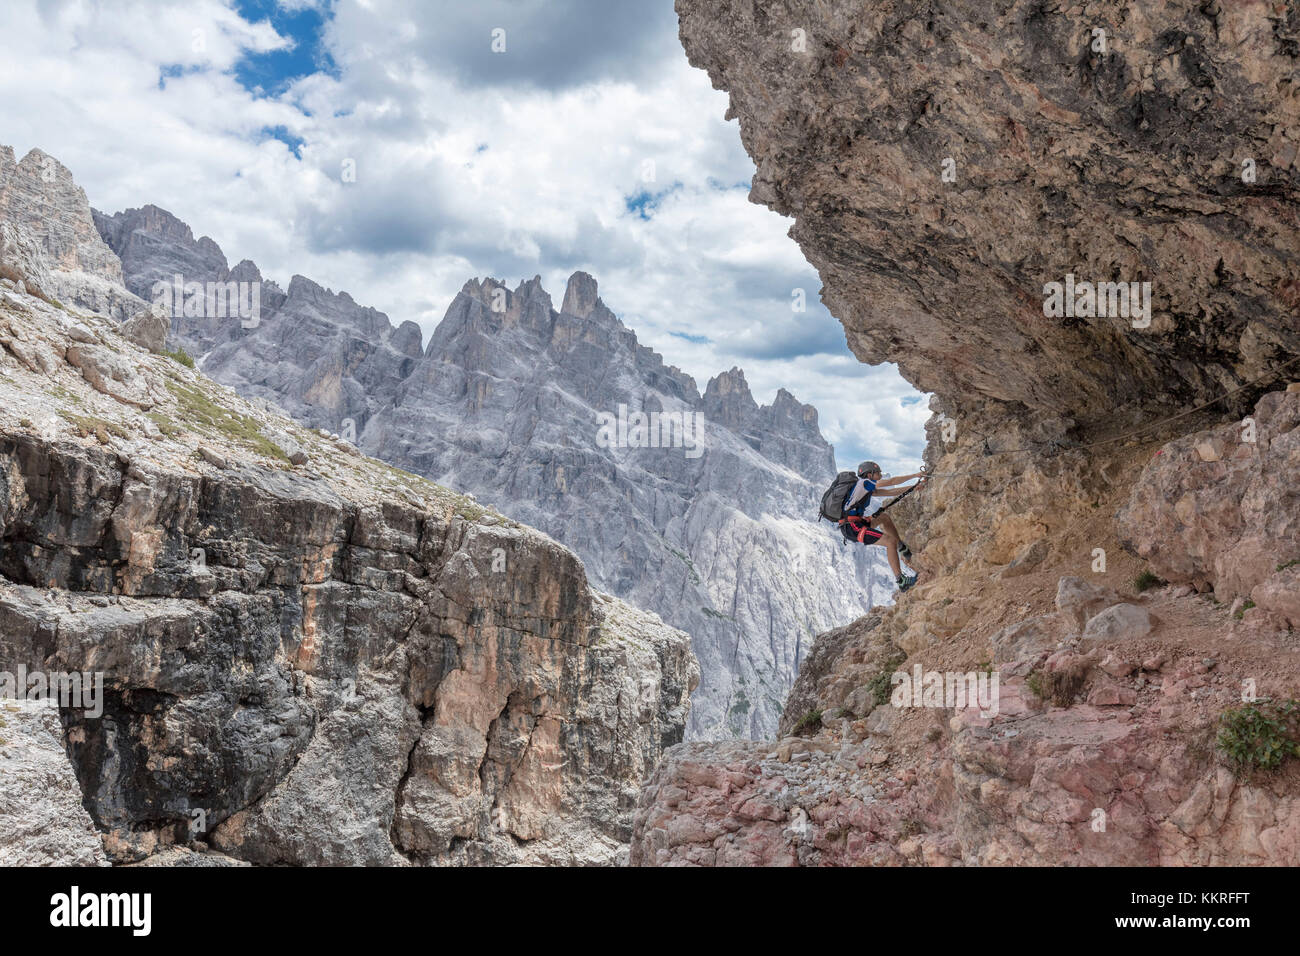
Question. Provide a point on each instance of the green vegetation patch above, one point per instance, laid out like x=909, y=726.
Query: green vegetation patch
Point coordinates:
x=1259, y=736
x=1057, y=687
x=811, y=722
x=180, y=356
x=200, y=410
x=882, y=685
x=87, y=426
x=1146, y=581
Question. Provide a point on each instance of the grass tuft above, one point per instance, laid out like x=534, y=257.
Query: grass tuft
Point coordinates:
x=180, y=356
x=1260, y=735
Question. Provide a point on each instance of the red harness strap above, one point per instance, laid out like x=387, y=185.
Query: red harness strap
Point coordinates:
x=861, y=526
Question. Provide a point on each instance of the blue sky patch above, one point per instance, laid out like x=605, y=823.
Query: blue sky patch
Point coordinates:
x=693, y=339
x=270, y=74
x=174, y=70
x=283, y=135
x=644, y=203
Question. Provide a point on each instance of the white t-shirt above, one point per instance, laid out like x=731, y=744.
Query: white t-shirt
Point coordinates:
x=864, y=487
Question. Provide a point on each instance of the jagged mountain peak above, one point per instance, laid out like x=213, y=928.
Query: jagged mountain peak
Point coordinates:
x=49, y=217
x=727, y=399
x=581, y=295
x=246, y=271
x=37, y=158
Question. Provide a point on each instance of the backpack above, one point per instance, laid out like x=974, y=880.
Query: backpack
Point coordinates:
x=833, y=500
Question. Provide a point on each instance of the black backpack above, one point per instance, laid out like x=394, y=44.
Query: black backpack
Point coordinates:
x=833, y=501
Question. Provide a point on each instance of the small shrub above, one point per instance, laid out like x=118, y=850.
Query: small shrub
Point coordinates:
x=810, y=721
x=181, y=356
x=912, y=826
x=882, y=684
x=1241, y=611
x=1288, y=564
x=1260, y=735
x=1057, y=687
x=1146, y=581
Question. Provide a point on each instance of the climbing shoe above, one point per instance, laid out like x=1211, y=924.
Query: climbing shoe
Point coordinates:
x=904, y=582
x=904, y=551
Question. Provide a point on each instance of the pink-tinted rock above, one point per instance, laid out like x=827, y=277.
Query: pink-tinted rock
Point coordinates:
x=1228, y=523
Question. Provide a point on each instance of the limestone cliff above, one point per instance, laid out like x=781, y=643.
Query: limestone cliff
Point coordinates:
x=1112, y=532
x=307, y=656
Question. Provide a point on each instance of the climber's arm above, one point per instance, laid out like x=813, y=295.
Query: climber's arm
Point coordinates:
x=884, y=486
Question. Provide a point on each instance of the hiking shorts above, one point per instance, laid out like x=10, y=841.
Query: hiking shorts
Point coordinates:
x=860, y=530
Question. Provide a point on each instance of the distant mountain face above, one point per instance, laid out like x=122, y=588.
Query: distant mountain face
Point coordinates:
x=547, y=415
x=46, y=228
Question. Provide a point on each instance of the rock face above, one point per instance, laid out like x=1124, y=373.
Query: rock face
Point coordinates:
x=341, y=665
x=1232, y=523
x=42, y=821
x=1102, y=743
x=942, y=165
x=1085, y=759
x=504, y=402
x=53, y=237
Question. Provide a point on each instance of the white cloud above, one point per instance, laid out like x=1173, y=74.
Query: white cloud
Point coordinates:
x=457, y=176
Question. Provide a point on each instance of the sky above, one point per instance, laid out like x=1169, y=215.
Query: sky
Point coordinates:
x=395, y=150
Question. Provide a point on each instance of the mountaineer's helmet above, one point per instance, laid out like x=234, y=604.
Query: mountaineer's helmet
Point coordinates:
x=867, y=468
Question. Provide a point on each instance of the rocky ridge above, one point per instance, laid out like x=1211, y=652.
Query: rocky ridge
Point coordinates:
x=309, y=657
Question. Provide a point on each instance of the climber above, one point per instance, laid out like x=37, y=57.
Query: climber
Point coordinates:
x=847, y=500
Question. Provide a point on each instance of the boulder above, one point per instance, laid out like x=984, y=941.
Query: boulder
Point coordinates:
x=1078, y=600
x=1280, y=595
x=1025, y=639
x=1122, y=622
x=147, y=329
x=1029, y=558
